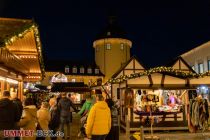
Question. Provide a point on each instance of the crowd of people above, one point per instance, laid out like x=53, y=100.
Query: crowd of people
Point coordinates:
x=54, y=115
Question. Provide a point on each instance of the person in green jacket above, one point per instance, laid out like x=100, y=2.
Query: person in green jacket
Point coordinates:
x=86, y=106
x=84, y=113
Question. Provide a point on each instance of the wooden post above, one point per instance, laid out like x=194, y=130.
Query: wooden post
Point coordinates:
x=127, y=131
x=141, y=133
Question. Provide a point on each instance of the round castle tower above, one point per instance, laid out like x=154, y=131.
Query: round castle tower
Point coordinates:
x=112, y=48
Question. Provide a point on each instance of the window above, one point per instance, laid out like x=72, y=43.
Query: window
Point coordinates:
x=89, y=82
x=81, y=80
x=74, y=69
x=122, y=46
x=96, y=71
x=193, y=67
x=108, y=46
x=66, y=69
x=208, y=65
x=73, y=80
x=89, y=70
x=200, y=68
x=108, y=33
x=82, y=70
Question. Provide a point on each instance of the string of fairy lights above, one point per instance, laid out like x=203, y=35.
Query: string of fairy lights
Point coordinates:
x=21, y=33
x=162, y=69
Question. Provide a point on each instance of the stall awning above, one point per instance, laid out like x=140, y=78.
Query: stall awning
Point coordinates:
x=70, y=87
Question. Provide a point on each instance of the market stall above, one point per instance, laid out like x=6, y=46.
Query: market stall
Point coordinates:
x=158, y=97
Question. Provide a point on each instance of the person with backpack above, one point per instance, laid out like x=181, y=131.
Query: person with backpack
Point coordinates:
x=64, y=106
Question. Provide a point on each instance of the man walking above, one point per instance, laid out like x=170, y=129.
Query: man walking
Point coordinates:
x=99, y=120
x=64, y=105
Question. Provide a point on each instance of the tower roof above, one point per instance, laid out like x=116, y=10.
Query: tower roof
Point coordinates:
x=112, y=30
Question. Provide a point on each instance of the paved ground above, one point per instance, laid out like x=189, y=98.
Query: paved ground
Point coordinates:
x=163, y=135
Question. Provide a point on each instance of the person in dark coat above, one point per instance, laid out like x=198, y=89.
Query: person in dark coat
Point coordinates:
x=64, y=106
x=18, y=103
x=8, y=113
x=19, y=106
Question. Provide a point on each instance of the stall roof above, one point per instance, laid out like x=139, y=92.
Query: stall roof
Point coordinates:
x=70, y=87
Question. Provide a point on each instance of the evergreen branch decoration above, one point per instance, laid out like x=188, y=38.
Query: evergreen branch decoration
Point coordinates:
x=162, y=69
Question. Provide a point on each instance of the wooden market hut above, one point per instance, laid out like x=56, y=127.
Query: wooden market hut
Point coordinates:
x=20, y=54
x=127, y=83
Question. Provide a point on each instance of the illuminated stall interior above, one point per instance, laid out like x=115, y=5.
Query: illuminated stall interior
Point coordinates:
x=76, y=89
x=160, y=92
x=21, y=54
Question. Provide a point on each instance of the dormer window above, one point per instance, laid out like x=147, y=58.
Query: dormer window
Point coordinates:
x=82, y=70
x=74, y=69
x=66, y=69
x=108, y=46
x=89, y=71
x=122, y=46
x=96, y=71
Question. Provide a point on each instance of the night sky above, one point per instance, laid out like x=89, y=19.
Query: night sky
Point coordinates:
x=160, y=30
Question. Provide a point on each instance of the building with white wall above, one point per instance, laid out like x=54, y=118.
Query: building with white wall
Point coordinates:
x=199, y=58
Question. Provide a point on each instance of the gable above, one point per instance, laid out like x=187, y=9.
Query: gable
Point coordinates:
x=132, y=66
x=180, y=64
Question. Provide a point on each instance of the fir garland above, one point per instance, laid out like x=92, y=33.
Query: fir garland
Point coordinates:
x=162, y=69
x=20, y=34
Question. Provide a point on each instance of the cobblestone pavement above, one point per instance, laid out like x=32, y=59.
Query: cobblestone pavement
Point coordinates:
x=163, y=136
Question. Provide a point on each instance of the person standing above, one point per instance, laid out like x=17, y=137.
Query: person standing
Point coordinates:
x=29, y=118
x=43, y=116
x=19, y=106
x=99, y=120
x=8, y=114
x=86, y=106
x=64, y=106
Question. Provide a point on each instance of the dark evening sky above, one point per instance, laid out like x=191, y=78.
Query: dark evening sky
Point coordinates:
x=160, y=30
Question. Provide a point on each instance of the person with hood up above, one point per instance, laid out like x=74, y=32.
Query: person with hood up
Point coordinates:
x=99, y=120
x=8, y=114
x=29, y=119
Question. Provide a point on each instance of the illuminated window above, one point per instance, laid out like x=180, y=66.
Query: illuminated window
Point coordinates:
x=82, y=70
x=73, y=80
x=208, y=65
x=108, y=46
x=108, y=33
x=74, y=69
x=122, y=46
x=200, y=68
x=66, y=69
x=89, y=71
x=96, y=71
